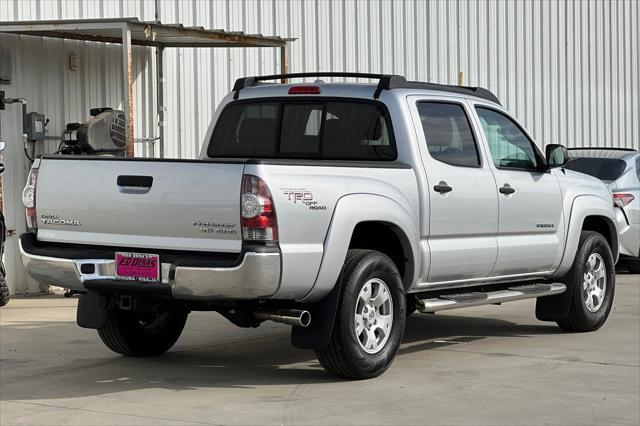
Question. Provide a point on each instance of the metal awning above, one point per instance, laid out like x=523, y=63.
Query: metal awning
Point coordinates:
x=133, y=32
x=143, y=33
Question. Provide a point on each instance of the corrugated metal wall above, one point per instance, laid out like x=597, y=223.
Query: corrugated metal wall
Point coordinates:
x=568, y=69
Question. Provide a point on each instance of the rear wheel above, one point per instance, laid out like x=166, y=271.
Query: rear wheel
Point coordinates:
x=140, y=333
x=370, y=319
x=592, y=281
x=632, y=265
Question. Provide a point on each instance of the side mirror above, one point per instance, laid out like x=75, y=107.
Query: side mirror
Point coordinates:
x=2, y=145
x=556, y=155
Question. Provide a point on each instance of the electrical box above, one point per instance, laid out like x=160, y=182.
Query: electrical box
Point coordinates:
x=35, y=126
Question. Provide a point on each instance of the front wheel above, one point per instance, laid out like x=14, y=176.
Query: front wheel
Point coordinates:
x=370, y=319
x=140, y=334
x=592, y=280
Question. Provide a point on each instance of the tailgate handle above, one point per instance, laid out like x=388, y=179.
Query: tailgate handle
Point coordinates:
x=135, y=181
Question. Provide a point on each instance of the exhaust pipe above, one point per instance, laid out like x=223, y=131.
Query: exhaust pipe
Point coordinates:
x=296, y=317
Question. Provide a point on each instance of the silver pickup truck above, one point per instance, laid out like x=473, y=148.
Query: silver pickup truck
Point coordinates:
x=337, y=208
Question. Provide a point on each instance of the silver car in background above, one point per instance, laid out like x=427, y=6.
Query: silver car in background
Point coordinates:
x=619, y=169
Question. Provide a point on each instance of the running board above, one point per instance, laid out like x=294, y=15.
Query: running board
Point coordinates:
x=463, y=300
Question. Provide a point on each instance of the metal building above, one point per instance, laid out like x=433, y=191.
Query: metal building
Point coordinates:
x=569, y=70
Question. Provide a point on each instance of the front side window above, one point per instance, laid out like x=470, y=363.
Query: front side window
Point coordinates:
x=448, y=134
x=510, y=147
x=337, y=130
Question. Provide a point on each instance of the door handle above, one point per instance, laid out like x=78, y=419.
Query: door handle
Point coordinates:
x=506, y=189
x=137, y=181
x=134, y=184
x=442, y=187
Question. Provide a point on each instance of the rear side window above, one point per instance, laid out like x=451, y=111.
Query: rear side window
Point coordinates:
x=601, y=168
x=337, y=130
x=448, y=134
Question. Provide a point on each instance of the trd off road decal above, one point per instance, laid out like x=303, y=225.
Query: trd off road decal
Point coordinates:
x=302, y=197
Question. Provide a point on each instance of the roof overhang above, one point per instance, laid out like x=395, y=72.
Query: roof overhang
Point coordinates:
x=154, y=34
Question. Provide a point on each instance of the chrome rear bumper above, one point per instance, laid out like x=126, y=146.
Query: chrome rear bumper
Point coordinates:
x=257, y=275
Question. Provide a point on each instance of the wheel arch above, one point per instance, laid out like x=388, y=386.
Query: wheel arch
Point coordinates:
x=353, y=217
x=389, y=239
x=605, y=226
x=588, y=213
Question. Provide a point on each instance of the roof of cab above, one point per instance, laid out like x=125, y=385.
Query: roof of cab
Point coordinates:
x=385, y=82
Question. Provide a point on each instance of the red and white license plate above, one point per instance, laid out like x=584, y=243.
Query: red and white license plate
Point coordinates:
x=137, y=267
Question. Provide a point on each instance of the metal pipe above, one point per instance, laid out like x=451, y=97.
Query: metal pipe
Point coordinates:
x=24, y=115
x=160, y=97
x=296, y=317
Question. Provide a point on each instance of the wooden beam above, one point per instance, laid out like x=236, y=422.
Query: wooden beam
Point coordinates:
x=284, y=62
x=127, y=87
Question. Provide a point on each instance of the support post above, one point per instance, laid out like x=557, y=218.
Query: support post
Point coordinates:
x=284, y=61
x=127, y=87
x=160, y=98
x=461, y=78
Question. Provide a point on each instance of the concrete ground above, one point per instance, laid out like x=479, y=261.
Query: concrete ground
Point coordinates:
x=485, y=365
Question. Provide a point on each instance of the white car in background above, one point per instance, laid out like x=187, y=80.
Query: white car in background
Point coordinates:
x=619, y=169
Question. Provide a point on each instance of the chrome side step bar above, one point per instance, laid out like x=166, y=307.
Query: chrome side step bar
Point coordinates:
x=463, y=300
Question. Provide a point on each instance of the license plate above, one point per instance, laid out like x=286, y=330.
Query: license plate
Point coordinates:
x=137, y=267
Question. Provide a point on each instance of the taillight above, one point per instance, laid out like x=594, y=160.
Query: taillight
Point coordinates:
x=29, y=199
x=257, y=213
x=622, y=200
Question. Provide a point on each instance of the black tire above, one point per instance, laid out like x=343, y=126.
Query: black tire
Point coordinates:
x=142, y=334
x=4, y=291
x=580, y=318
x=344, y=357
x=632, y=265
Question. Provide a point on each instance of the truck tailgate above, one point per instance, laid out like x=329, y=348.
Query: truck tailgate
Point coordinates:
x=163, y=204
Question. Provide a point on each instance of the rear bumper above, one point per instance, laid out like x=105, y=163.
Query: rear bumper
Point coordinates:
x=249, y=275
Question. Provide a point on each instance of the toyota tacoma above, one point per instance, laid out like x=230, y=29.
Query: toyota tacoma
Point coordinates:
x=337, y=208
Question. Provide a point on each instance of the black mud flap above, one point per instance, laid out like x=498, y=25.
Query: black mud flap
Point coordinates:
x=554, y=308
x=92, y=310
x=323, y=315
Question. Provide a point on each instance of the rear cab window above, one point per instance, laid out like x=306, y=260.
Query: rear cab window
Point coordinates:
x=332, y=129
